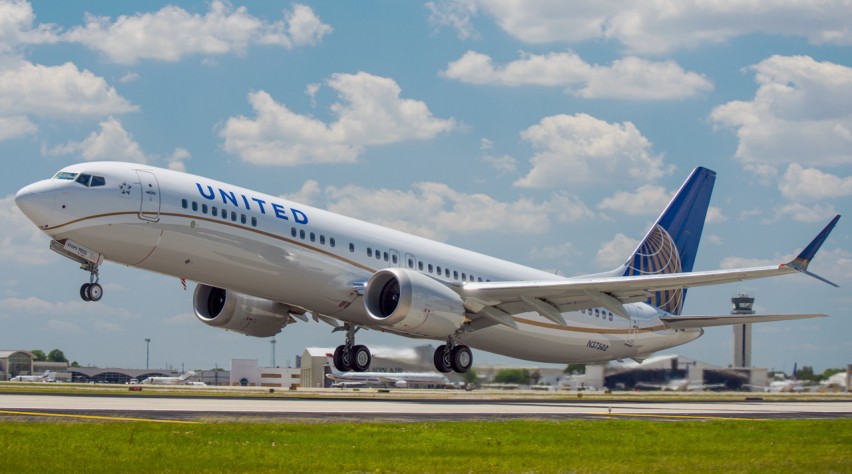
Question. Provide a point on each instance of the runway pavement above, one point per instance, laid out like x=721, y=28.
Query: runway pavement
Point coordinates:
x=223, y=409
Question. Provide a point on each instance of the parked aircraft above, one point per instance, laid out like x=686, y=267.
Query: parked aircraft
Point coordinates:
x=183, y=379
x=262, y=262
x=384, y=379
x=47, y=376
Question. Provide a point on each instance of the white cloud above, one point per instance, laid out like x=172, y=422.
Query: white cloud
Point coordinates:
x=129, y=77
x=817, y=213
x=172, y=32
x=370, y=112
x=655, y=27
x=811, y=184
x=454, y=14
x=629, y=78
x=715, y=215
x=580, y=149
x=553, y=252
x=435, y=210
x=16, y=126
x=647, y=200
x=21, y=242
x=112, y=143
x=16, y=27
x=57, y=91
x=802, y=110
x=613, y=253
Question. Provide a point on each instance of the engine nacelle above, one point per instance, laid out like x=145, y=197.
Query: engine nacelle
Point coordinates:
x=412, y=303
x=240, y=313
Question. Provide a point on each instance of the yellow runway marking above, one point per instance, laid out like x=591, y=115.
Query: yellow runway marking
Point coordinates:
x=681, y=417
x=96, y=417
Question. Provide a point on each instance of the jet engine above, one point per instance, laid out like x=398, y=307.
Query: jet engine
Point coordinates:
x=240, y=313
x=412, y=303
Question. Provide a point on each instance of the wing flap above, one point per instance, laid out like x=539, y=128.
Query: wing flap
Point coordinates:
x=690, y=322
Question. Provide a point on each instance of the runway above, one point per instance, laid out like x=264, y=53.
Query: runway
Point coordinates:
x=223, y=409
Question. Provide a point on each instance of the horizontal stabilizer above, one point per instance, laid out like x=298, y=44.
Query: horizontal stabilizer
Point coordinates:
x=689, y=322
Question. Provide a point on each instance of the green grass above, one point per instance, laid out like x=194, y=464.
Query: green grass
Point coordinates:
x=512, y=446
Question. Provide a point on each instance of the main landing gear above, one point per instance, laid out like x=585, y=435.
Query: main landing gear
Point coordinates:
x=453, y=357
x=350, y=356
x=91, y=291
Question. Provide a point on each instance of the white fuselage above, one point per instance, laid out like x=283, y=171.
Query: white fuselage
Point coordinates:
x=265, y=246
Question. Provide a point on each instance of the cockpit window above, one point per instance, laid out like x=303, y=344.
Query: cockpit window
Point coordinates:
x=65, y=175
x=82, y=178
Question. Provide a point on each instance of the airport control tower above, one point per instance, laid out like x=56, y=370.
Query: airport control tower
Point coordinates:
x=743, y=304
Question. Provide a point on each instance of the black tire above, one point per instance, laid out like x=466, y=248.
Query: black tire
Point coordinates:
x=341, y=359
x=361, y=358
x=95, y=292
x=461, y=359
x=84, y=292
x=442, y=359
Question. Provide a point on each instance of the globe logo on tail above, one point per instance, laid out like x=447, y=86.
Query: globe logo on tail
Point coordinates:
x=658, y=255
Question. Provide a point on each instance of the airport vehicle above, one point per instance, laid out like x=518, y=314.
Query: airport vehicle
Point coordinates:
x=182, y=379
x=262, y=262
x=353, y=379
x=47, y=376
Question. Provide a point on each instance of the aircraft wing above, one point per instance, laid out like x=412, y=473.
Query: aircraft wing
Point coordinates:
x=687, y=322
x=497, y=301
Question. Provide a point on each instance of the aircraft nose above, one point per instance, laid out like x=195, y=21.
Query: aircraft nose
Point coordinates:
x=37, y=202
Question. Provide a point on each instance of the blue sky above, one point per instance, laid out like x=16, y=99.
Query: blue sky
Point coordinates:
x=549, y=133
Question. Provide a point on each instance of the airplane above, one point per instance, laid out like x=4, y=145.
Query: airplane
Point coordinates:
x=262, y=262
x=353, y=379
x=47, y=376
x=183, y=379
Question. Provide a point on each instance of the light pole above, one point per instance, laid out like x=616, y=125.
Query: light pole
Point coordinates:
x=147, y=351
x=273, y=350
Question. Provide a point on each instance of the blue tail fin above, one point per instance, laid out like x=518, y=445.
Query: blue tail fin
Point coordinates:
x=670, y=246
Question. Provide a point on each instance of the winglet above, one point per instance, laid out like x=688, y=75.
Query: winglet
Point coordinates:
x=804, y=258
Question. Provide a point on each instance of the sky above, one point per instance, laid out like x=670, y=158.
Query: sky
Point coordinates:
x=548, y=133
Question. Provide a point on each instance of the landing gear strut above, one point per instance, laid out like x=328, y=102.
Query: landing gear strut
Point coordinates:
x=453, y=356
x=91, y=291
x=350, y=356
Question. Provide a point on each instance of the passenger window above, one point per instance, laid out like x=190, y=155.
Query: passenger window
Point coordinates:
x=410, y=263
x=438, y=270
x=430, y=268
x=204, y=208
x=184, y=203
x=215, y=211
x=331, y=241
x=97, y=181
x=233, y=216
x=322, y=239
x=369, y=252
x=292, y=231
x=394, y=259
x=447, y=272
x=455, y=275
x=351, y=247
x=420, y=266
x=194, y=206
x=302, y=234
x=242, y=218
x=254, y=221
x=313, y=237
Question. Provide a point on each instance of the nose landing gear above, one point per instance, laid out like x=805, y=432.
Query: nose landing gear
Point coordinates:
x=91, y=291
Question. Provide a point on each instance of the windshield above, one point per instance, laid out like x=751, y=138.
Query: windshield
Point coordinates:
x=82, y=178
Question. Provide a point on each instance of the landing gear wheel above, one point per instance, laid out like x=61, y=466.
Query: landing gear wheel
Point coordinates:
x=442, y=359
x=95, y=292
x=361, y=358
x=342, y=359
x=84, y=292
x=461, y=358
